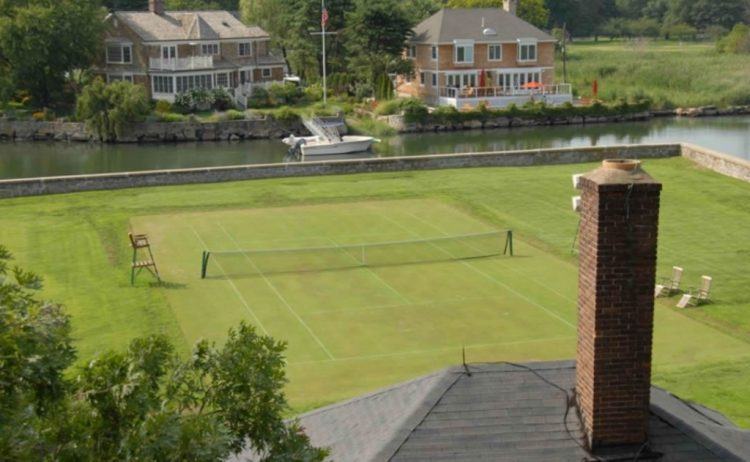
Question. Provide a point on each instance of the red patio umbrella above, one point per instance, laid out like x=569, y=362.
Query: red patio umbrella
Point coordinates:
x=482, y=78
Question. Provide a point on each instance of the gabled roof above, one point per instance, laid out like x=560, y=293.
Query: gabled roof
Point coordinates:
x=175, y=26
x=448, y=25
x=503, y=412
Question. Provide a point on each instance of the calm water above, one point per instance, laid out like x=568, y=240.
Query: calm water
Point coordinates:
x=730, y=135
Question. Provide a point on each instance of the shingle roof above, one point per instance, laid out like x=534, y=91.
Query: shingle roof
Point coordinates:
x=502, y=412
x=188, y=25
x=448, y=25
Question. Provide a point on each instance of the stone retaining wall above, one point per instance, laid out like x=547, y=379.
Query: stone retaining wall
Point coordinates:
x=67, y=184
x=154, y=132
x=718, y=162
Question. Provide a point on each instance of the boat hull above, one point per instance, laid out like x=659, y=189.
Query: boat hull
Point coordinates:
x=347, y=145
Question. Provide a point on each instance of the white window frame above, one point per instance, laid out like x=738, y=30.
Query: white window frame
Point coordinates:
x=187, y=82
x=434, y=53
x=122, y=47
x=422, y=78
x=248, y=45
x=490, y=46
x=266, y=73
x=411, y=52
x=168, y=80
x=466, y=45
x=216, y=80
x=213, y=46
x=530, y=44
x=169, y=55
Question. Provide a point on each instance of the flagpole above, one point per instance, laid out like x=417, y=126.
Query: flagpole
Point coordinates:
x=325, y=76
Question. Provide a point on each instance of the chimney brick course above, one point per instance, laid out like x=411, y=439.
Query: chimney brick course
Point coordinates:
x=618, y=237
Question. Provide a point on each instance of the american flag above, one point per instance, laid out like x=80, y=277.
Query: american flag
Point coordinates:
x=324, y=17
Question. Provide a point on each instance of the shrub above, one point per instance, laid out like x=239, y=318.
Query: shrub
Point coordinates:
x=414, y=110
x=43, y=115
x=163, y=106
x=183, y=103
x=259, y=98
x=313, y=93
x=107, y=109
x=233, y=114
x=286, y=115
x=222, y=100
x=171, y=117
x=389, y=107
x=383, y=87
x=737, y=41
x=284, y=93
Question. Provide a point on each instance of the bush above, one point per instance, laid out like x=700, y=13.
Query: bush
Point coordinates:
x=389, y=107
x=414, y=110
x=259, y=98
x=737, y=41
x=171, y=117
x=233, y=114
x=383, y=87
x=44, y=115
x=222, y=100
x=313, y=93
x=286, y=115
x=163, y=107
x=284, y=93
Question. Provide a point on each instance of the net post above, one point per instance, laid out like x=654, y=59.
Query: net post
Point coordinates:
x=204, y=264
x=509, y=243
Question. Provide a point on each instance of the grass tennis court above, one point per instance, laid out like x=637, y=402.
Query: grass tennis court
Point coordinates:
x=354, y=330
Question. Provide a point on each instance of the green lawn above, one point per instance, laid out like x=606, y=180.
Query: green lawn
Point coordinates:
x=354, y=330
x=671, y=73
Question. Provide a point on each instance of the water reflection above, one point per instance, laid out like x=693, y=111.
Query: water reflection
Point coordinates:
x=726, y=134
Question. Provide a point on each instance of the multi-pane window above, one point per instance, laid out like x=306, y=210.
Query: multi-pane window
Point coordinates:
x=119, y=54
x=434, y=53
x=495, y=52
x=265, y=73
x=209, y=49
x=422, y=78
x=222, y=80
x=527, y=51
x=462, y=80
x=434, y=80
x=190, y=82
x=169, y=52
x=245, y=48
x=464, y=54
x=163, y=84
x=411, y=51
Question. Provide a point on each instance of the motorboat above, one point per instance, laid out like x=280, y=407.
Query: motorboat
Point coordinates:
x=326, y=141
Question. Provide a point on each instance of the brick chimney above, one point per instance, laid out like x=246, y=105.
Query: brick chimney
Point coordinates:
x=511, y=6
x=156, y=6
x=619, y=225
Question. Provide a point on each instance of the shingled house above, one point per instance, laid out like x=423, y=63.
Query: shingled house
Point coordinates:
x=170, y=52
x=464, y=57
x=600, y=407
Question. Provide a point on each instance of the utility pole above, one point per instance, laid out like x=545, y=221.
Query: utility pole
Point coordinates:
x=323, y=23
x=565, y=51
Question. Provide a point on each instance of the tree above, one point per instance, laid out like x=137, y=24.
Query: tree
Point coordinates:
x=43, y=40
x=142, y=404
x=108, y=109
x=737, y=41
x=704, y=13
x=375, y=37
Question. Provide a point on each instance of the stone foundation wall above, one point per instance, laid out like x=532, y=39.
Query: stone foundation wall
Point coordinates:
x=153, y=132
x=67, y=184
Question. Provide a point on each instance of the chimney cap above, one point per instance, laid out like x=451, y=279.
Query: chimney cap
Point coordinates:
x=620, y=171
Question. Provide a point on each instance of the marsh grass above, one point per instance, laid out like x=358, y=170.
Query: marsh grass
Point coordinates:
x=670, y=73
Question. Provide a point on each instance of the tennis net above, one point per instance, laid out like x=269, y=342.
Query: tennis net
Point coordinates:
x=232, y=263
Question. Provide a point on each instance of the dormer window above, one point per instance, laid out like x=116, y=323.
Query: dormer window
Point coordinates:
x=527, y=50
x=463, y=52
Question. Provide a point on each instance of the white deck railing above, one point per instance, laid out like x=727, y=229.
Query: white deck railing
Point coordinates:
x=181, y=64
x=499, y=92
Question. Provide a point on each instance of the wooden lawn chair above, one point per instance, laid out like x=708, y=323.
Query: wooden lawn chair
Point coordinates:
x=671, y=285
x=699, y=296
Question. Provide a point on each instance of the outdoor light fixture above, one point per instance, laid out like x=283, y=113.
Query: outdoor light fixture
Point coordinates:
x=576, y=203
x=577, y=180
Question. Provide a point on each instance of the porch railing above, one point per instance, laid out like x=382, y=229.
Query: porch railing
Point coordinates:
x=181, y=64
x=498, y=92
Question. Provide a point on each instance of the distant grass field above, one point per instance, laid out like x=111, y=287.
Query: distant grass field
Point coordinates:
x=354, y=330
x=671, y=73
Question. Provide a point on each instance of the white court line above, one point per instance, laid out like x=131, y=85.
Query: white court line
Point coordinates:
x=278, y=294
x=487, y=276
x=434, y=350
x=231, y=284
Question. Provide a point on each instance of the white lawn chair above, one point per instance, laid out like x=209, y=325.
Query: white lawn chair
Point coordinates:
x=695, y=298
x=669, y=286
